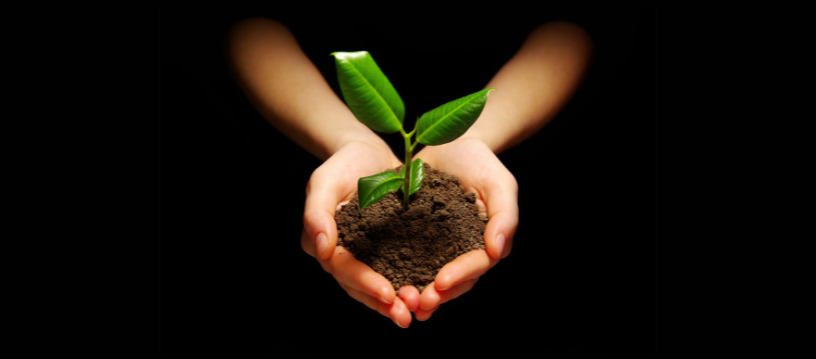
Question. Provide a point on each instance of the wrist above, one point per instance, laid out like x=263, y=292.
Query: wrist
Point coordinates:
x=474, y=134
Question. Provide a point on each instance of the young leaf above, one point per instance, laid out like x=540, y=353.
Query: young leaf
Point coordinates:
x=417, y=174
x=368, y=93
x=451, y=120
x=372, y=189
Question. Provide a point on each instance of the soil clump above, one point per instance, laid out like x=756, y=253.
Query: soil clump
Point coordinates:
x=409, y=248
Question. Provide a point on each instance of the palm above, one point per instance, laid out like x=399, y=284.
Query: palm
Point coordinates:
x=469, y=161
x=353, y=161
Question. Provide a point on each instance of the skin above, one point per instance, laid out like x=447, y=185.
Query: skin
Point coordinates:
x=286, y=88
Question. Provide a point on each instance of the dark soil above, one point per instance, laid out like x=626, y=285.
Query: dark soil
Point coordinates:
x=442, y=223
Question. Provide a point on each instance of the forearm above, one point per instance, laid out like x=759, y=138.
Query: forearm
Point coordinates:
x=288, y=90
x=533, y=86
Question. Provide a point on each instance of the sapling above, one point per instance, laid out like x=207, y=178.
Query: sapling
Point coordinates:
x=375, y=103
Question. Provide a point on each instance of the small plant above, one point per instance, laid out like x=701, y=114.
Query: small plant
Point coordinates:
x=375, y=103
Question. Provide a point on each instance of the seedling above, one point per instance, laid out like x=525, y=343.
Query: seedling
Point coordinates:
x=375, y=103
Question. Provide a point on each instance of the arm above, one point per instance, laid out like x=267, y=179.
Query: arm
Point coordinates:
x=534, y=85
x=288, y=90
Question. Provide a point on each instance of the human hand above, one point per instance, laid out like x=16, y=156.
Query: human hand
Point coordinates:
x=479, y=171
x=331, y=186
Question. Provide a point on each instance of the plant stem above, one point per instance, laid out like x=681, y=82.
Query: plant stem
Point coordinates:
x=406, y=184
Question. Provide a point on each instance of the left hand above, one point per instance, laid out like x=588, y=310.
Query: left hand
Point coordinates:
x=479, y=171
x=330, y=186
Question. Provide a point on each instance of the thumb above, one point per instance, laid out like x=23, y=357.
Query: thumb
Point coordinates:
x=501, y=200
x=322, y=197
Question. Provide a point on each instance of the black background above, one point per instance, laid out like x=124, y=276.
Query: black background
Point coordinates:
x=582, y=275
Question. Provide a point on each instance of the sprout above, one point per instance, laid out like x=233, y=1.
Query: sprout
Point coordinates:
x=375, y=103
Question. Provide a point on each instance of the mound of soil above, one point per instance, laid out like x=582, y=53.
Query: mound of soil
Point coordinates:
x=442, y=223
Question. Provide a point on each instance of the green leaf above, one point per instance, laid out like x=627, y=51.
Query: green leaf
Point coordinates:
x=372, y=189
x=368, y=93
x=451, y=120
x=417, y=174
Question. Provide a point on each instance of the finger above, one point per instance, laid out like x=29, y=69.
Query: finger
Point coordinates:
x=322, y=196
x=350, y=272
x=397, y=311
x=410, y=296
x=501, y=200
x=468, y=266
x=432, y=298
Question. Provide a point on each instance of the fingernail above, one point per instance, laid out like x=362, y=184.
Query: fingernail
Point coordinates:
x=320, y=243
x=398, y=324
x=383, y=300
x=500, y=244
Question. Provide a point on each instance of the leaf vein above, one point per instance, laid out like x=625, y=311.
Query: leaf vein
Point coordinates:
x=428, y=130
x=379, y=185
x=374, y=90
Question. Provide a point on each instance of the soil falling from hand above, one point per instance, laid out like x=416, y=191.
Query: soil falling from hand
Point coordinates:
x=410, y=247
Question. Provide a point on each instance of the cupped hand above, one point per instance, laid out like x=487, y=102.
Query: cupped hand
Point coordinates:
x=479, y=171
x=330, y=186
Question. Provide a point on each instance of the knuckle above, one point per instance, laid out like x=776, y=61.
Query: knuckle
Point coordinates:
x=505, y=183
x=511, y=181
x=318, y=172
x=311, y=221
x=308, y=217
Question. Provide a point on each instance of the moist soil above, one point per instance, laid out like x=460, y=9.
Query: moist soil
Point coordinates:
x=410, y=247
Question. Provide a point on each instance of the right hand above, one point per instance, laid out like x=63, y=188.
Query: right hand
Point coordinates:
x=331, y=186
